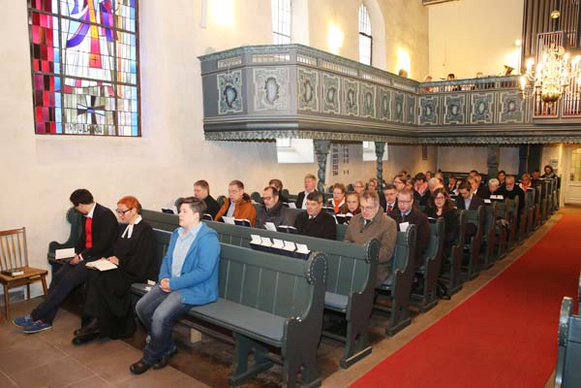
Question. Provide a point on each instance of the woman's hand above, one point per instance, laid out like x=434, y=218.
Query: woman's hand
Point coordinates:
x=164, y=285
x=114, y=260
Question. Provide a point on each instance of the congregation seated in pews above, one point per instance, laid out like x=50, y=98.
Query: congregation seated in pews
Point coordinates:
x=410, y=240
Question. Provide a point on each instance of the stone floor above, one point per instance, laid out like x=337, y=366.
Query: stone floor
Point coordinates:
x=48, y=359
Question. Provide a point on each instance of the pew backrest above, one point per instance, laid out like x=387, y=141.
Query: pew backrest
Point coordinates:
x=567, y=371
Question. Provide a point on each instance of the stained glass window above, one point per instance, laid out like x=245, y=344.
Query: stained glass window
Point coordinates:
x=85, y=70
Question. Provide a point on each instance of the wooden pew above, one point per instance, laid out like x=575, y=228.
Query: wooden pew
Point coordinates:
x=351, y=276
x=567, y=372
x=397, y=288
x=452, y=265
x=266, y=301
x=430, y=270
x=530, y=212
x=538, y=206
x=75, y=219
x=487, y=251
x=472, y=249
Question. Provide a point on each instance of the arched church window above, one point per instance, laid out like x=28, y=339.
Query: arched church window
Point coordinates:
x=85, y=66
x=281, y=21
x=365, y=38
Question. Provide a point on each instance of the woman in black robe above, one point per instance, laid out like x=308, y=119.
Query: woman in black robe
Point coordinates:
x=108, y=306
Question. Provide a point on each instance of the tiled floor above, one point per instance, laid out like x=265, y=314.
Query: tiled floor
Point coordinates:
x=48, y=359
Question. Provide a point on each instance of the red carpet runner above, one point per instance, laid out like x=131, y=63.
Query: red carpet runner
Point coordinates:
x=503, y=336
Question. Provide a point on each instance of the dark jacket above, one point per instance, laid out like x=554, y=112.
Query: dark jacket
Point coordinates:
x=474, y=203
x=213, y=206
x=419, y=219
x=452, y=226
x=278, y=215
x=104, y=232
x=323, y=225
x=300, y=199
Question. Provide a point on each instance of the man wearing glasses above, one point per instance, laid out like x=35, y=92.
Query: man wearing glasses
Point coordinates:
x=407, y=214
x=273, y=210
x=99, y=231
x=373, y=223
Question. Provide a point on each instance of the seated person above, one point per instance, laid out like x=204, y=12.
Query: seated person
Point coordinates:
x=451, y=187
x=188, y=277
x=477, y=188
x=535, y=178
x=374, y=186
x=238, y=204
x=442, y=206
x=525, y=182
x=399, y=181
x=310, y=183
x=314, y=222
x=493, y=187
x=351, y=206
x=510, y=190
x=407, y=212
x=390, y=194
x=98, y=233
x=277, y=183
x=338, y=199
x=359, y=187
x=202, y=191
x=273, y=210
x=501, y=176
x=108, y=308
x=421, y=192
x=466, y=201
x=372, y=222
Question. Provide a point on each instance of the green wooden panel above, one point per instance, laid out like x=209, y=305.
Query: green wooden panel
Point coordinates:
x=252, y=281
x=267, y=295
x=233, y=280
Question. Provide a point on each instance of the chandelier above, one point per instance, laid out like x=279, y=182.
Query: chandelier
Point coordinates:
x=552, y=75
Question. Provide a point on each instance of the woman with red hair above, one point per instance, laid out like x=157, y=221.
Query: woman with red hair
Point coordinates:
x=108, y=308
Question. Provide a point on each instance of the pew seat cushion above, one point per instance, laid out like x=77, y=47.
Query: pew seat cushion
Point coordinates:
x=242, y=319
x=336, y=302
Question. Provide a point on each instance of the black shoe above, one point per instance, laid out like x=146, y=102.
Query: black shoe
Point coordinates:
x=86, y=337
x=89, y=328
x=165, y=359
x=140, y=367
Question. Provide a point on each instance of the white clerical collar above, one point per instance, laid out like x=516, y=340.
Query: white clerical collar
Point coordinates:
x=129, y=230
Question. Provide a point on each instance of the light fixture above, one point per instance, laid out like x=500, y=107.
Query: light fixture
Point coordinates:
x=552, y=75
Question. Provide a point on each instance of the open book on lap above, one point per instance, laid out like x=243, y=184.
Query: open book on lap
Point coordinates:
x=101, y=265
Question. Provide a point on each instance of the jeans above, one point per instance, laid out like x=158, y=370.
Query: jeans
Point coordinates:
x=158, y=310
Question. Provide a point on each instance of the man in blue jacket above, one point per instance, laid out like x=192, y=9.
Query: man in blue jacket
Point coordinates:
x=188, y=277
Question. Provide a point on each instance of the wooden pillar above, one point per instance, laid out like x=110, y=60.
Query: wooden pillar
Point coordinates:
x=321, y=151
x=493, y=160
x=379, y=151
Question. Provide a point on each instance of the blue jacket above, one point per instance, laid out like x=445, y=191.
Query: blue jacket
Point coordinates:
x=198, y=282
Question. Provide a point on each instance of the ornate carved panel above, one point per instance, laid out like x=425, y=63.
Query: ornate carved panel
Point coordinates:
x=411, y=109
x=398, y=107
x=308, y=87
x=429, y=108
x=481, y=108
x=350, y=97
x=511, y=106
x=271, y=88
x=455, y=106
x=368, y=100
x=230, y=92
x=384, y=104
x=331, y=93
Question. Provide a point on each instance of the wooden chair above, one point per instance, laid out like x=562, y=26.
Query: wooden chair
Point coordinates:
x=14, y=254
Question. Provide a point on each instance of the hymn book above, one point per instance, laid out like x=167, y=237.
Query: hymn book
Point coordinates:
x=101, y=265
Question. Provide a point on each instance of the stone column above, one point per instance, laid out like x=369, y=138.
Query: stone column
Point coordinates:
x=321, y=151
x=493, y=160
x=379, y=151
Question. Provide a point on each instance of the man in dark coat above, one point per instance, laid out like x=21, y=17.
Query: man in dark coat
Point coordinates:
x=314, y=221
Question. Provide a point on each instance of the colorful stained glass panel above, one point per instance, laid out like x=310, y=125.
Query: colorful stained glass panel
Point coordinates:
x=85, y=66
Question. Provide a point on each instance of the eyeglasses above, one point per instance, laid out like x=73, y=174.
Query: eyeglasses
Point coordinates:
x=123, y=212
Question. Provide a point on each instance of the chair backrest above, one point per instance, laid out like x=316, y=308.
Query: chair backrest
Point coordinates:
x=13, y=251
x=437, y=236
x=461, y=227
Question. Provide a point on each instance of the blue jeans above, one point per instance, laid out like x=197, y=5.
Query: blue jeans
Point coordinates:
x=158, y=310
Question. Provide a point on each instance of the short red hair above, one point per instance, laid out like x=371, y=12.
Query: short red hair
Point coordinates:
x=131, y=202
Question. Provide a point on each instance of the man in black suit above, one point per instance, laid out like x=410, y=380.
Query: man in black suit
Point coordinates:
x=466, y=200
x=310, y=187
x=390, y=194
x=99, y=231
x=477, y=187
x=406, y=212
x=314, y=222
x=202, y=191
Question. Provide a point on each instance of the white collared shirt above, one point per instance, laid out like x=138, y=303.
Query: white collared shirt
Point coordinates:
x=128, y=232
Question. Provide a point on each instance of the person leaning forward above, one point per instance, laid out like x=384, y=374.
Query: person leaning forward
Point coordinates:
x=99, y=231
x=238, y=204
x=374, y=223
